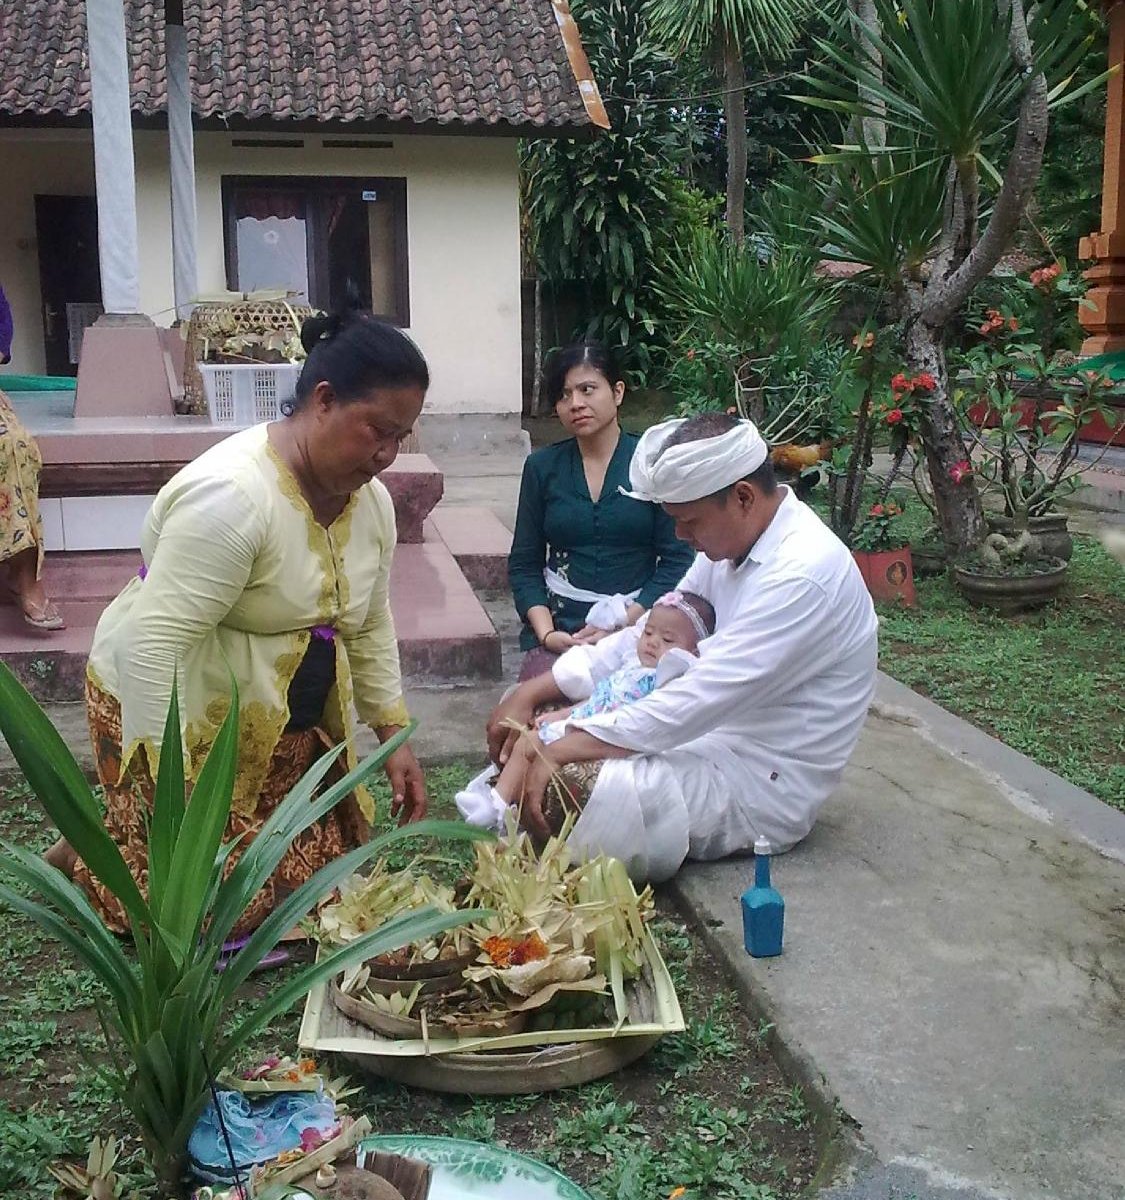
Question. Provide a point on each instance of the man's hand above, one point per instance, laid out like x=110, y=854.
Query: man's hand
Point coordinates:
x=576, y=746
x=540, y=768
x=408, y=785
x=502, y=738
x=520, y=707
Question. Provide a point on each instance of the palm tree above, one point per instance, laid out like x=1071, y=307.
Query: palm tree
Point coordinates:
x=724, y=30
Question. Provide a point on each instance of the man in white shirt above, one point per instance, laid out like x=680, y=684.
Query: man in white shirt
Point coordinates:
x=753, y=737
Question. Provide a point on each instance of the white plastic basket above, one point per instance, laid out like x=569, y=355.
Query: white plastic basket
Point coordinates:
x=247, y=394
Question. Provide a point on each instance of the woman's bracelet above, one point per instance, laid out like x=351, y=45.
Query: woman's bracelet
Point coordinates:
x=543, y=639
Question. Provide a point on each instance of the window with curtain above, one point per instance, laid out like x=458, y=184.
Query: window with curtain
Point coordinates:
x=329, y=242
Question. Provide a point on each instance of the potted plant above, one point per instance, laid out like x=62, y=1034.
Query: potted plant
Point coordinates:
x=1010, y=574
x=869, y=414
x=882, y=552
x=1023, y=421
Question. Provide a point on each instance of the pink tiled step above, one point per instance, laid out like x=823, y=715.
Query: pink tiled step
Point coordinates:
x=444, y=633
x=416, y=486
x=477, y=539
x=122, y=456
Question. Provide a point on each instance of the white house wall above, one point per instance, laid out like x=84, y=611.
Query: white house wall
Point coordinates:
x=462, y=230
x=34, y=162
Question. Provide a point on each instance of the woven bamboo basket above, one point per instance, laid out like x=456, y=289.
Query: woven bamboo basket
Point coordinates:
x=215, y=321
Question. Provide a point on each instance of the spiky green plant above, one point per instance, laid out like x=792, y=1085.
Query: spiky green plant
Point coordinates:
x=165, y=1008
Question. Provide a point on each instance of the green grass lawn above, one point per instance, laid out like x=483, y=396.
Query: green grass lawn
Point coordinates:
x=1051, y=684
x=707, y=1110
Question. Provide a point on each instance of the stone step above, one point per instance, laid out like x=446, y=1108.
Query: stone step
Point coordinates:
x=477, y=539
x=95, y=458
x=444, y=633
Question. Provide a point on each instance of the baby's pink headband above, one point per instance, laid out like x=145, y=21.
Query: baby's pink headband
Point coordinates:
x=676, y=600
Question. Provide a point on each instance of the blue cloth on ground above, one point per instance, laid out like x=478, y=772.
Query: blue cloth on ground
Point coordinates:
x=259, y=1128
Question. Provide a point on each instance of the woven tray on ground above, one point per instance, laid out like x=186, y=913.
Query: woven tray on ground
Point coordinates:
x=526, y=1062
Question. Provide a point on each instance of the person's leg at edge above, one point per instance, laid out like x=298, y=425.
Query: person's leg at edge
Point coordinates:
x=27, y=587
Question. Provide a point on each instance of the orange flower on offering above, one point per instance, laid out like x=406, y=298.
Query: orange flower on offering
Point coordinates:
x=307, y=1066
x=514, y=952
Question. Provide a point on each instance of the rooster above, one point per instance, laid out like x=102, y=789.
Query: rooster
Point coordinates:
x=794, y=464
x=793, y=459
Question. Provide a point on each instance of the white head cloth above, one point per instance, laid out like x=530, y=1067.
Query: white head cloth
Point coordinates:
x=692, y=470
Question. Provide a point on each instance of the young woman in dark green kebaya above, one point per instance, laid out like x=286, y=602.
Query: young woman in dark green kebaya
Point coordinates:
x=586, y=559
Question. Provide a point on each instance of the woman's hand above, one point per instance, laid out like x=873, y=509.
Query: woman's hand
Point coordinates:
x=558, y=641
x=590, y=635
x=408, y=784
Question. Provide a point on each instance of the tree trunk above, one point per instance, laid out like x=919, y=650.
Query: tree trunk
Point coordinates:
x=875, y=126
x=537, y=352
x=958, y=504
x=734, y=112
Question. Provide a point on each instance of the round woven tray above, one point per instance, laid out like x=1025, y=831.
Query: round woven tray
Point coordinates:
x=392, y=1026
x=508, y=1072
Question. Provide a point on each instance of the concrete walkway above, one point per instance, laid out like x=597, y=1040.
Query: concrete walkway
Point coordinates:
x=954, y=968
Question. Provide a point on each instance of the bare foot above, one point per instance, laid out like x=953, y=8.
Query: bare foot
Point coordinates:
x=62, y=857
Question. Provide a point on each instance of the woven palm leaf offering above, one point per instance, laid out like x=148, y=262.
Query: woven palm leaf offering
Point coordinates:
x=565, y=955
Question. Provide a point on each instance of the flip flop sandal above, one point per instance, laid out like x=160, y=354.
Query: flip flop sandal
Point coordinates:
x=275, y=958
x=48, y=618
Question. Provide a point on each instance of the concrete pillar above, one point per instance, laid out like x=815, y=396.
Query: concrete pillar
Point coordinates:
x=1105, y=321
x=125, y=370
x=114, y=169
x=181, y=145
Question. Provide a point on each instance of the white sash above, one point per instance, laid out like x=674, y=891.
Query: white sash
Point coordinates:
x=607, y=612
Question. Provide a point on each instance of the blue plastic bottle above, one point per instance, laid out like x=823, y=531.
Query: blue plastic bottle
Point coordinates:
x=763, y=910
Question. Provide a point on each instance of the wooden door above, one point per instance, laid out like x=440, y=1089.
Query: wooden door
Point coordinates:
x=69, y=278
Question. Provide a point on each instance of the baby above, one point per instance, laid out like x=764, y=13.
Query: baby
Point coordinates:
x=678, y=621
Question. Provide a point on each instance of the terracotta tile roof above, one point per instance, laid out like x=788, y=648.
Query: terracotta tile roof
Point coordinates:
x=488, y=62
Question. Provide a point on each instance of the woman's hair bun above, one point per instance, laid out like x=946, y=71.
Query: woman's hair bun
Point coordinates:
x=321, y=328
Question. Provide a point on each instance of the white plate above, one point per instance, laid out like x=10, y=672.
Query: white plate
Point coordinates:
x=470, y=1170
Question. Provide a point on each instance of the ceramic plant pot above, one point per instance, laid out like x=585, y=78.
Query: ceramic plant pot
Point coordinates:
x=1011, y=592
x=889, y=574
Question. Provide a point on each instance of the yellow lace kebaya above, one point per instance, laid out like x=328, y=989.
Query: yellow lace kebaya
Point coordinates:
x=237, y=575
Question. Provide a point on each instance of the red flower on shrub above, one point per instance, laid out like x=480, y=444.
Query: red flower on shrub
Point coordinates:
x=690, y=355
x=894, y=416
x=900, y=383
x=960, y=470
x=995, y=322
x=1044, y=279
x=925, y=382
x=876, y=510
